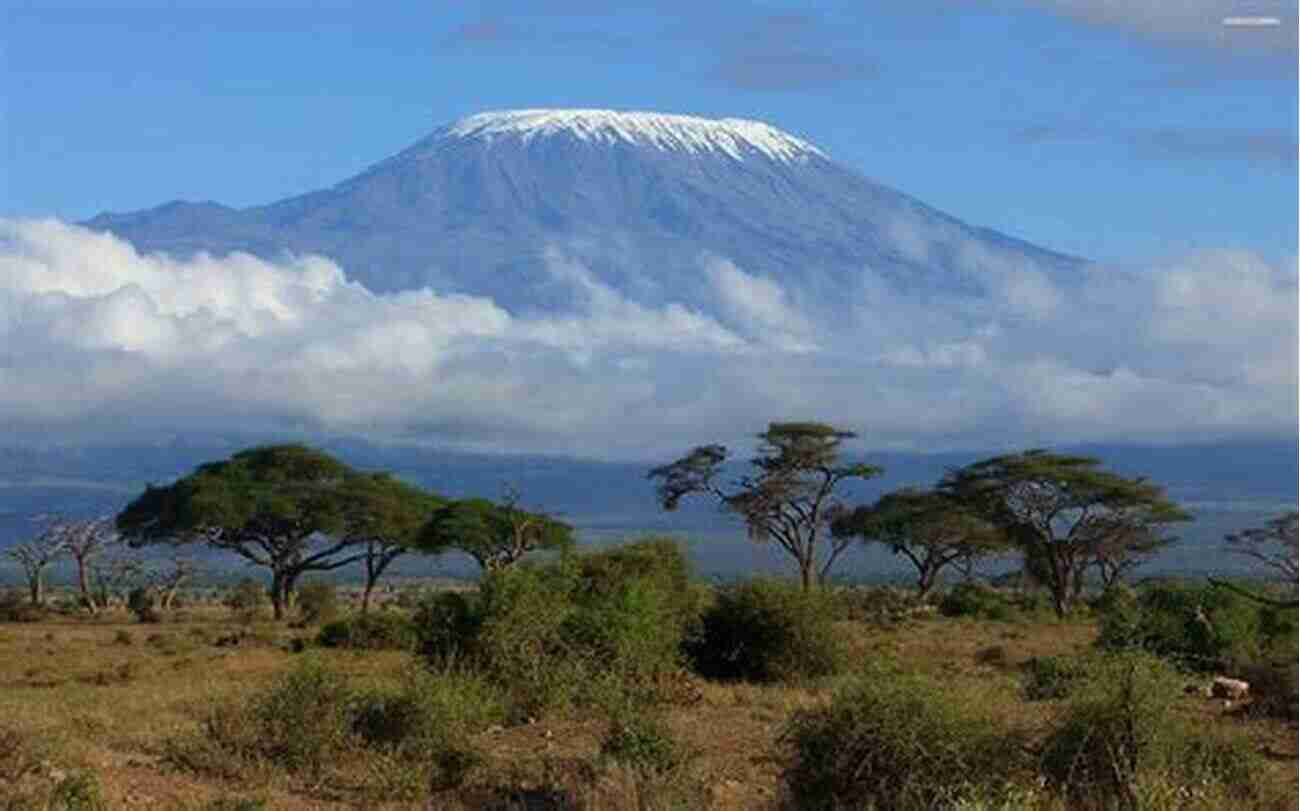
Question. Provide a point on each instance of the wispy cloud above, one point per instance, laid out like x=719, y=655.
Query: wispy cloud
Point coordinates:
x=1265, y=147
x=788, y=52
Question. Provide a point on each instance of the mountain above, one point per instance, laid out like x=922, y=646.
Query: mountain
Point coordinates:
x=485, y=204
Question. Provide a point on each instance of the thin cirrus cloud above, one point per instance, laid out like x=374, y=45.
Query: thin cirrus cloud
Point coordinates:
x=1261, y=147
x=1198, y=22
x=98, y=341
x=789, y=52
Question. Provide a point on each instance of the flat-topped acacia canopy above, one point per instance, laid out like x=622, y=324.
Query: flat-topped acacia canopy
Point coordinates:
x=289, y=508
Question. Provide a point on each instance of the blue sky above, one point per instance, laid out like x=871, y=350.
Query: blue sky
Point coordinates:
x=1123, y=132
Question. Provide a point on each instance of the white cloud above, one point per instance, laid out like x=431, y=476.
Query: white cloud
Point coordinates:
x=98, y=341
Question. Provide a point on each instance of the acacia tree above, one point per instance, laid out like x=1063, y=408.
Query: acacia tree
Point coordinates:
x=1277, y=546
x=932, y=530
x=789, y=499
x=1125, y=541
x=1059, y=510
x=495, y=535
x=384, y=517
x=35, y=556
x=86, y=541
x=282, y=507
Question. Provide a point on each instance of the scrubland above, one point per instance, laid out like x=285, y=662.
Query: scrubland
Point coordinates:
x=611, y=681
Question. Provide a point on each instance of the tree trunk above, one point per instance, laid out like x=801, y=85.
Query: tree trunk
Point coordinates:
x=277, y=595
x=84, y=584
x=807, y=578
x=37, y=585
x=365, y=594
x=925, y=582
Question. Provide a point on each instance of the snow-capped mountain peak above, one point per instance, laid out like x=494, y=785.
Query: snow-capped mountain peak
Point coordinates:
x=734, y=137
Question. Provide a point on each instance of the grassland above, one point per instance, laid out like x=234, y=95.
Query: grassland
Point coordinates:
x=107, y=697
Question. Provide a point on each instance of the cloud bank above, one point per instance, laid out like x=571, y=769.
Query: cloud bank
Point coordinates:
x=100, y=342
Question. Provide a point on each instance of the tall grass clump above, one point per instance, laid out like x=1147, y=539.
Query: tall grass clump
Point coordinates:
x=901, y=741
x=767, y=631
x=1118, y=745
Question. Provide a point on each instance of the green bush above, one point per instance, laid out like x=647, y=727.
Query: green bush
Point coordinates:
x=983, y=602
x=641, y=741
x=1199, y=626
x=304, y=719
x=767, y=631
x=571, y=630
x=880, y=605
x=445, y=626
x=900, y=741
x=421, y=729
x=381, y=630
x=142, y=603
x=1118, y=744
x=1052, y=677
x=317, y=602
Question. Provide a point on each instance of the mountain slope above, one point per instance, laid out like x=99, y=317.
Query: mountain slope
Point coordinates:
x=485, y=204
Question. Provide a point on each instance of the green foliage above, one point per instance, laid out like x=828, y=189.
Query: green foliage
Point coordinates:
x=378, y=630
x=236, y=804
x=789, y=498
x=303, y=720
x=932, y=530
x=898, y=741
x=495, y=535
x=641, y=741
x=142, y=603
x=1066, y=509
x=563, y=632
x=1199, y=626
x=78, y=792
x=880, y=605
x=767, y=631
x=1052, y=677
x=1117, y=742
x=318, y=602
x=977, y=600
x=245, y=599
x=420, y=727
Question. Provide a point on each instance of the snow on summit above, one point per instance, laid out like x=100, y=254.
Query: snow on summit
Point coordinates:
x=731, y=136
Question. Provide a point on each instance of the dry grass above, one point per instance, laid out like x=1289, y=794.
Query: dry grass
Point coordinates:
x=86, y=701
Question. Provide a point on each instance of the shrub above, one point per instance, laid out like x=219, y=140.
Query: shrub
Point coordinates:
x=15, y=607
x=880, y=605
x=1273, y=688
x=899, y=741
x=1200, y=626
x=123, y=637
x=317, y=602
x=304, y=718
x=641, y=741
x=977, y=601
x=141, y=602
x=421, y=728
x=374, y=631
x=446, y=625
x=767, y=631
x=1052, y=677
x=245, y=599
x=78, y=792
x=576, y=629
x=1117, y=743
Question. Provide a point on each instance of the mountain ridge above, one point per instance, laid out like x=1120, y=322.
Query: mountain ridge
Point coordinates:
x=641, y=199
